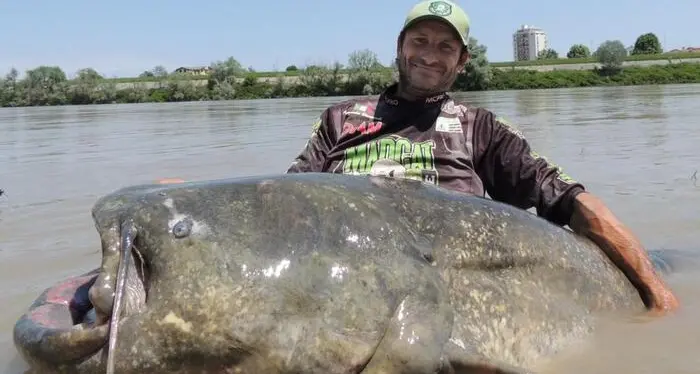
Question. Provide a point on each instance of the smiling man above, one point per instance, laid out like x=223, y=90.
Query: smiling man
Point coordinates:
x=414, y=129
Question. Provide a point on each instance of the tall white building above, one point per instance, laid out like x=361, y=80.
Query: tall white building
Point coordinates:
x=528, y=42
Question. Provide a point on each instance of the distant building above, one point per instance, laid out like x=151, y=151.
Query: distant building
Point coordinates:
x=528, y=42
x=685, y=49
x=197, y=70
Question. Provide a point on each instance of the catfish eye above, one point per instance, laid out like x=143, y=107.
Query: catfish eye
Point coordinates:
x=183, y=228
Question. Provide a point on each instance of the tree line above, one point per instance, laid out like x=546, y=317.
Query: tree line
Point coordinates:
x=363, y=74
x=645, y=44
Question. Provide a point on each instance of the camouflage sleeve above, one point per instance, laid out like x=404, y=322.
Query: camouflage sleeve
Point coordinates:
x=513, y=173
x=314, y=155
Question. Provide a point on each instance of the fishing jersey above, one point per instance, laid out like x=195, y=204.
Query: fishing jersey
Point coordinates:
x=437, y=141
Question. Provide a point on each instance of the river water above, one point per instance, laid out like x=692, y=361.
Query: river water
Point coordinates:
x=636, y=147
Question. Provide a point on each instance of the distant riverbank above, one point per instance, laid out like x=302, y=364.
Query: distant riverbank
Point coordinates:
x=325, y=83
x=293, y=77
x=584, y=63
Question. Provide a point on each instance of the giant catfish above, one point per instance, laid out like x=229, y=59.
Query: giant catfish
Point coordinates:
x=321, y=273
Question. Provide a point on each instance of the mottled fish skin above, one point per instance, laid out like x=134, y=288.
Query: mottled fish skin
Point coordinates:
x=269, y=276
x=327, y=273
x=522, y=289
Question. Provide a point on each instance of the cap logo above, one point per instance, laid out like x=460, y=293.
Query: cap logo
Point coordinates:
x=440, y=8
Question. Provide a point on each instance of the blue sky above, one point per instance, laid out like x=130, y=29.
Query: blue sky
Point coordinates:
x=126, y=37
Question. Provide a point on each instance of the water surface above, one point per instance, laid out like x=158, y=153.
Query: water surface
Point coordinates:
x=636, y=147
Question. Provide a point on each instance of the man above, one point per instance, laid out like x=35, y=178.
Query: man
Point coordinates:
x=415, y=130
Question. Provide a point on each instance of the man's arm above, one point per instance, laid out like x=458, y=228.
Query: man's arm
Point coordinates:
x=314, y=156
x=515, y=174
x=591, y=218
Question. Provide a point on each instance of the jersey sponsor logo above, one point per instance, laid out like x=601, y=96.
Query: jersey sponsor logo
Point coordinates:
x=428, y=100
x=391, y=101
x=450, y=108
x=393, y=156
x=434, y=99
x=560, y=173
x=363, y=111
x=448, y=124
x=316, y=126
x=364, y=128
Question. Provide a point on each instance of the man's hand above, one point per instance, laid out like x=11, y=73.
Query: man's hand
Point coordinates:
x=594, y=220
x=661, y=298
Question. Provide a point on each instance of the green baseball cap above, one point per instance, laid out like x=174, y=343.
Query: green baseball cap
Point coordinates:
x=444, y=10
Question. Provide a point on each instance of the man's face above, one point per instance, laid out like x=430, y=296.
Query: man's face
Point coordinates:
x=430, y=57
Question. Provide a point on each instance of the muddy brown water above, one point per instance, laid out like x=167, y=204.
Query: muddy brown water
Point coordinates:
x=636, y=147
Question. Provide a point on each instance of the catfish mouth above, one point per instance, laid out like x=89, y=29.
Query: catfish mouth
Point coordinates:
x=134, y=296
x=133, y=293
x=131, y=289
x=116, y=300
x=65, y=325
